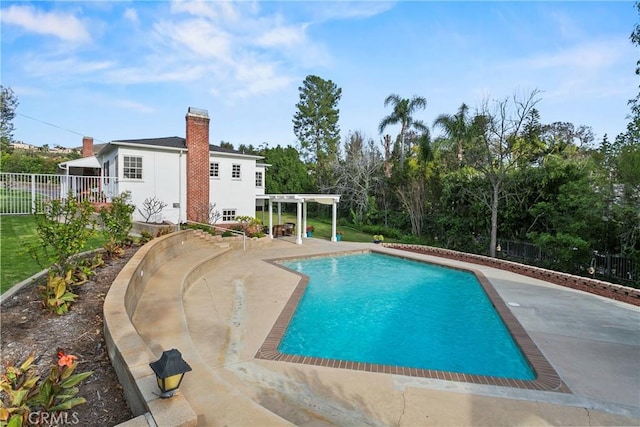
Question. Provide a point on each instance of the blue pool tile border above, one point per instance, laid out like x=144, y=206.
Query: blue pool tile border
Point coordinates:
x=547, y=379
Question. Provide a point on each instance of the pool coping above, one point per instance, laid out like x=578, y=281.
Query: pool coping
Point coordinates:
x=547, y=379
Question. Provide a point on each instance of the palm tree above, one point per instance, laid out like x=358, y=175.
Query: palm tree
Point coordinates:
x=402, y=114
x=458, y=128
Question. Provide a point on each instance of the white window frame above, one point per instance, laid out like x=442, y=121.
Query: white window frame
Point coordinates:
x=236, y=171
x=259, y=179
x=214, y=170
x=229, y=215
x=136, y=169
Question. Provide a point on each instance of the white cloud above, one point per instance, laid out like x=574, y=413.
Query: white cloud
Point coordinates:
x=352, y=9
x=131, y=15
x=63, y=26
x=198, y=36
x=243, y=50
x=62, y=69
x=591, y=56
x=283, y=36
x=584, y=71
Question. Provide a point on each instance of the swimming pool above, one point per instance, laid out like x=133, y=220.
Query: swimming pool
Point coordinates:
x=386, y=310
x=546, y=378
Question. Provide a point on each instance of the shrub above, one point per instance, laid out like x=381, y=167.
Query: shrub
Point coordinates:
x=116, y=221
x=145, y=237
x=64, y=226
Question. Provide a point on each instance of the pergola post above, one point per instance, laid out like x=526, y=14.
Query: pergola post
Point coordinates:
x=270, y=218
x=299, y=221
x=304, y=219
x=334, y=215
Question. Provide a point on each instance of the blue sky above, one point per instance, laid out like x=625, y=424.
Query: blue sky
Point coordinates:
x=130, y=69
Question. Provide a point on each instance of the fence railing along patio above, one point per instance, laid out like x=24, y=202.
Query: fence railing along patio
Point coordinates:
x=20, y=193
x=610, y=267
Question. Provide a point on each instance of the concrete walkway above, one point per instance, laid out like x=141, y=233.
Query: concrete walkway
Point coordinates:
x=224, y=317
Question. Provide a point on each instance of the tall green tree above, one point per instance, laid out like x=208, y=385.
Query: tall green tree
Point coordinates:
x=412, y=183
x=457, y=129
x=8, y=105
x=287, y=173
x=315, y=124
x=402, y=114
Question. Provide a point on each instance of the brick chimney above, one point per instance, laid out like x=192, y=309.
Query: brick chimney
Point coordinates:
x=87, y=146
x=197, y=165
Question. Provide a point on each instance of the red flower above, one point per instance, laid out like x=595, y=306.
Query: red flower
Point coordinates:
x=66, y=359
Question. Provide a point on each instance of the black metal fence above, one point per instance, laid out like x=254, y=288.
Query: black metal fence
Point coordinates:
x=609, y=267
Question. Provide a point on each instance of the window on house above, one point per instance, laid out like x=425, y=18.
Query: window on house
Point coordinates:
x=132, y=167
x=258, y=179
x=105, y=171
x=228, y=215
x=214, y=170
x=235, y=171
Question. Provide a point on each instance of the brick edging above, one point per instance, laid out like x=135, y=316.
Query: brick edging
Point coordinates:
x=631, y=295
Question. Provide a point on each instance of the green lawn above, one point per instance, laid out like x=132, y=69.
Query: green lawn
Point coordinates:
x=323, y=228
x=17, y=233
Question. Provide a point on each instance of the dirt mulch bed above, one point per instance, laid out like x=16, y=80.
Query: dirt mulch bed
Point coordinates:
x=27, y=326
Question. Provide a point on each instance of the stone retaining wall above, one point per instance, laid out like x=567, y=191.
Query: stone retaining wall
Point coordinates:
x=129, y=354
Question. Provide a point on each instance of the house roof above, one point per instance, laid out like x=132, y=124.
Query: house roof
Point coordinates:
x=170, y=142
x=174, y=142
x=83, y=162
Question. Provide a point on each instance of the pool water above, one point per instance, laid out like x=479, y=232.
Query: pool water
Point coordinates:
x=391, y=311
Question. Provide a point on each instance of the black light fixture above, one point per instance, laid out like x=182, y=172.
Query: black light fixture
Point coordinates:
x=169, y=370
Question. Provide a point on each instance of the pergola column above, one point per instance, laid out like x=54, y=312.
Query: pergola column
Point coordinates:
x=270, y=218
x=299, y=221
x=304, y=219
x=334, y=215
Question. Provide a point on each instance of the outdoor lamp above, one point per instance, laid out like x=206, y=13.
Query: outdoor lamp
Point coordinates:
x=169, y=370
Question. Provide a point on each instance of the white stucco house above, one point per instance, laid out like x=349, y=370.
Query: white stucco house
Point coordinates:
x=192, y=177
x=188, y=174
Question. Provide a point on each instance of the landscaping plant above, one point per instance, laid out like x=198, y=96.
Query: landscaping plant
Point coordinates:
x=56, y=293
x=64, y=226
x=151, y=207
x=26, y=400
x=116, y=220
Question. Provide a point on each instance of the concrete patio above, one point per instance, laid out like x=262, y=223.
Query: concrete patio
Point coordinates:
x=226, y=312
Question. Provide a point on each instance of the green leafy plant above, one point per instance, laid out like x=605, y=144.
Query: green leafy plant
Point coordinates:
x=145, y=237
x=64, y=226
x=56, y=294
x=164, y=231
x=249, y=225
x=113, y=249
x=25, y=395
x=19, y=387
x=116, y=221
x=58, y=392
